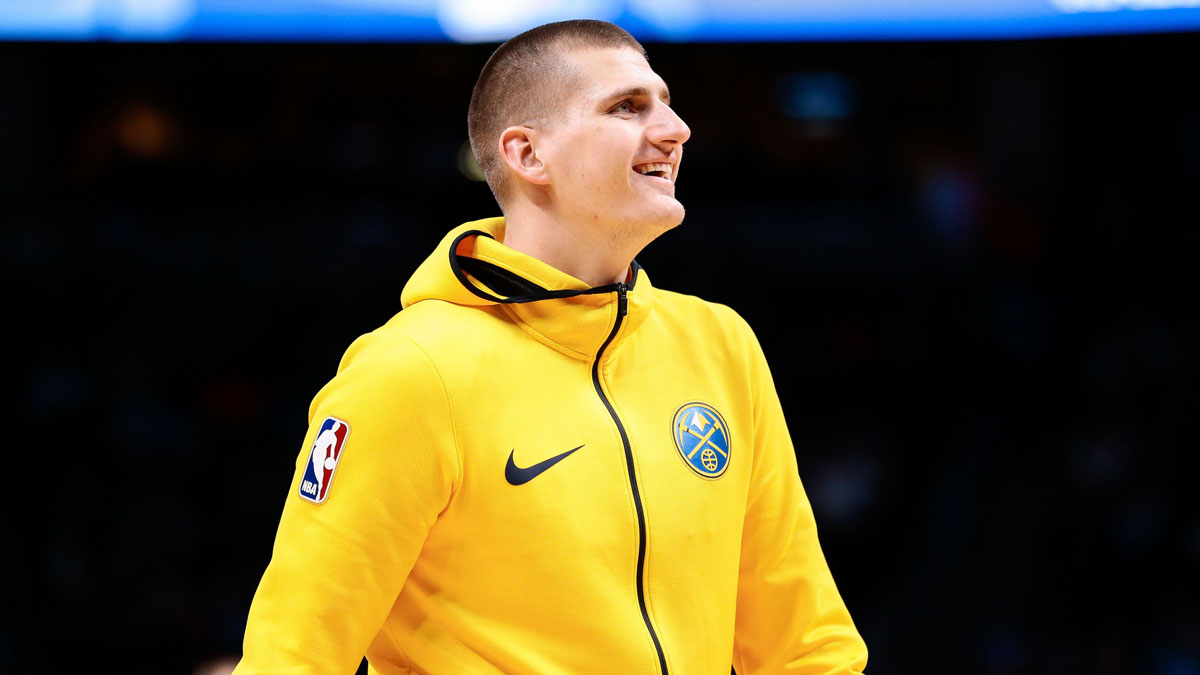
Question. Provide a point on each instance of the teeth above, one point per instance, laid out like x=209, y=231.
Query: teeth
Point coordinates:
x=664, y=167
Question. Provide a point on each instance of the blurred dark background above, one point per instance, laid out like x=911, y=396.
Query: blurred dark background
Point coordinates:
x=972, y=265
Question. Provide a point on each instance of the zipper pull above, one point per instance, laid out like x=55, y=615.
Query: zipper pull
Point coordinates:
x=622, y=300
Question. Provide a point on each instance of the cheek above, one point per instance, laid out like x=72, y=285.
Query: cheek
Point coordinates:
x=610, y=153
x=603, y=173
x=598, y=165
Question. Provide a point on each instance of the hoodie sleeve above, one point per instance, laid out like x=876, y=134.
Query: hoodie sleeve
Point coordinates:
x=337, y=566
x=790, y=617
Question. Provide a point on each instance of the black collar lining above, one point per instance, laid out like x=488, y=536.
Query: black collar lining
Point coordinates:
x=499, y=279
x=519, y=289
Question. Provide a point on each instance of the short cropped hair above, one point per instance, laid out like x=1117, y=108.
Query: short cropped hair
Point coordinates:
x=524, y=82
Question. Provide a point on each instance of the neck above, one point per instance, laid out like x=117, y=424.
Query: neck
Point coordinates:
x=591, y=253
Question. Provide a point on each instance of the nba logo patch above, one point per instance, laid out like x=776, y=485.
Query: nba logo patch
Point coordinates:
x=702, y=439
x=323, y=459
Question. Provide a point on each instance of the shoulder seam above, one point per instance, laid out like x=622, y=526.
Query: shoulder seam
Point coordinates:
x=449, y=409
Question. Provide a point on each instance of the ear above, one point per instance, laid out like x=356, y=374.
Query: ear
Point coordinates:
x=518, y=149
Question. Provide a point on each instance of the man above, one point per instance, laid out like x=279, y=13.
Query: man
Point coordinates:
x=546, y=465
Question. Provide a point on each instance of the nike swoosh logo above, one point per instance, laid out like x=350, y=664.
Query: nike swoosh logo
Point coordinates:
x=515, y=475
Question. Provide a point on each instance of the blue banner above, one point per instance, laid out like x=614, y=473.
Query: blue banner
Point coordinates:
x=651, y=20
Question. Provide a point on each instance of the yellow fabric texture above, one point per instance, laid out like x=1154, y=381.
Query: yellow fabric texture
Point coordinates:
x=425, y=558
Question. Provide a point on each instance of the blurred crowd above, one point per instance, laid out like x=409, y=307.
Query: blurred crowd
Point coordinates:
x=972, y=267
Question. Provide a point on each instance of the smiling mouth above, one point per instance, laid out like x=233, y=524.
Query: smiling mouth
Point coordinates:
x=656, y=169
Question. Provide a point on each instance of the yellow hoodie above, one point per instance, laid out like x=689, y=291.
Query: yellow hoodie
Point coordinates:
x=537, y=477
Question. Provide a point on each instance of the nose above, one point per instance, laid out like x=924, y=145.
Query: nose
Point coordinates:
x=668, y=128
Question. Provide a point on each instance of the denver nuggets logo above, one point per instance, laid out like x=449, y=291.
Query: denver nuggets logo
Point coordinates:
x=702, y=438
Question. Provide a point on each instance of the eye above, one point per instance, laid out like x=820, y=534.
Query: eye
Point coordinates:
x=626, y=107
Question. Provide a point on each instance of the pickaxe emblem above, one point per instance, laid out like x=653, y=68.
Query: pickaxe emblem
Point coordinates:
x=706, y=439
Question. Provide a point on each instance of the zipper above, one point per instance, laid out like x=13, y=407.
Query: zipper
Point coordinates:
x=622, y=310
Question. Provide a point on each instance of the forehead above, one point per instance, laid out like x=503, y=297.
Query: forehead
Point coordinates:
x=601, y=73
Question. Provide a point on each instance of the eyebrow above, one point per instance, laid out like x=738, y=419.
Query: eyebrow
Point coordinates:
x=638, y=91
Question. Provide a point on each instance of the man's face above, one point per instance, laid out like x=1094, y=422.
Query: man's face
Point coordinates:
x=613, y=154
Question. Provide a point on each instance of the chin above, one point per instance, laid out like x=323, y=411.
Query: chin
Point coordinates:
x=645, y=225
x=664, y=221
x=671, y=216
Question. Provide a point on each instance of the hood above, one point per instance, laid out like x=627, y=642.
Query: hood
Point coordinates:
x=472, y=268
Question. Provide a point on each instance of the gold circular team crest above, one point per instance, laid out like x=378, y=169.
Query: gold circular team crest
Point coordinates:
x=702, y=439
